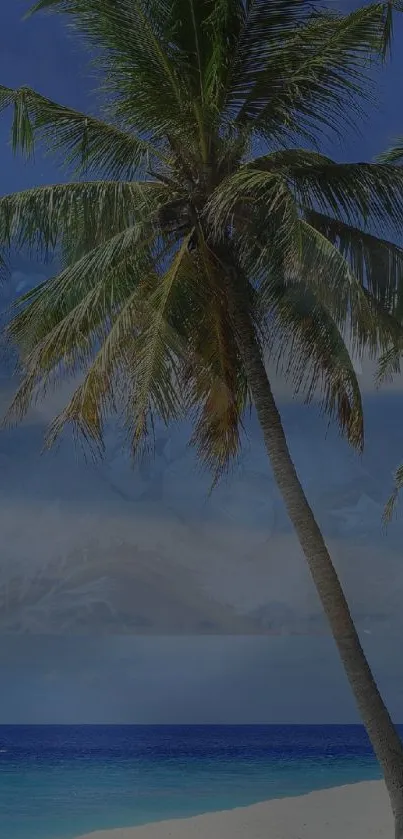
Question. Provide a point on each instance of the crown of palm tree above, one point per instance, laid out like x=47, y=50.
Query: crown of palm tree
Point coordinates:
x=207, y=145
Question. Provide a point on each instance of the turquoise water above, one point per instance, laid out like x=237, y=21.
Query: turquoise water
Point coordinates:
x=58, y=782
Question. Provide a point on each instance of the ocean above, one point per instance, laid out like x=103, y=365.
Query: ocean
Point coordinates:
x=57, y=782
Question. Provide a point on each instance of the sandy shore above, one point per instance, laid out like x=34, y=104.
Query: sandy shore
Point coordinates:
x=357, y=811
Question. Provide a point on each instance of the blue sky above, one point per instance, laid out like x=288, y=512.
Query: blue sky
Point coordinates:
x=58, y=513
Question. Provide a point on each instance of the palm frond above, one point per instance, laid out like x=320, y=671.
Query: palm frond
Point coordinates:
x=369, y=195
x=123, y=341
x=145, y=74
x=223, y=26
x=357, y=263
x=318, y=264
x=214, y=378
x=153, y=387
x=261, y=27
x=279, y=60
x=89, y=144
x=390, y=7
x=377, y=265
x=193, y=41
x=310, y=351
x=394, y=154
x=249, y=204
x=391, y=504
x=38, y=218
x=45, y=306
x=326, y=271
x=60, y=323
x=309, y=79
x=365, y=193
x=389, y=363
x=205, y=35
x=376, y=262
x=102, y=388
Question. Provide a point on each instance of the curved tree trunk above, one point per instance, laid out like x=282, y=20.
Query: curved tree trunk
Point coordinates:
x=378, y=723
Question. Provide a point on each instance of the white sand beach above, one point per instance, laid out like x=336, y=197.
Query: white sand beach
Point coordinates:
x=356, y=811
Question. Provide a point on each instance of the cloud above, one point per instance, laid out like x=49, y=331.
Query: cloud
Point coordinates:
x=84, y=525
x=185, y=680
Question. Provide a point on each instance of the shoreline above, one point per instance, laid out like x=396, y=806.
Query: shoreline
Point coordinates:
x=354, y=811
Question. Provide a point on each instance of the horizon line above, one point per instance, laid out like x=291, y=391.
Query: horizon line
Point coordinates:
x=185, y=725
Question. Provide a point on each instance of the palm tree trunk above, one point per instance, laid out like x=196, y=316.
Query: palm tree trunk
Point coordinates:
x=378, y=723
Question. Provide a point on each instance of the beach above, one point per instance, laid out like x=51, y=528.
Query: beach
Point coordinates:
x=354, y=811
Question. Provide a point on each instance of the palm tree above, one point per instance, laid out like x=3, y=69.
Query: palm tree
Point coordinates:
x=206, y=233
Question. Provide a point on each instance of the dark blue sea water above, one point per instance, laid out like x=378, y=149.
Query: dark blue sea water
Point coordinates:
x=57, y=782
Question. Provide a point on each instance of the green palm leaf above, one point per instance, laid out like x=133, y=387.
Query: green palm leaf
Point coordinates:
x=376, y=262
x=144, y=73
x=394, y=154
x=136, y=361
x=215, y=383
x=89, y=144
x=39, y=218
x=391, y=504
x=309, y=350
x=309, y=78
x=370, y=194
x=155, y=359
x=261, y=28
x=62, y=321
